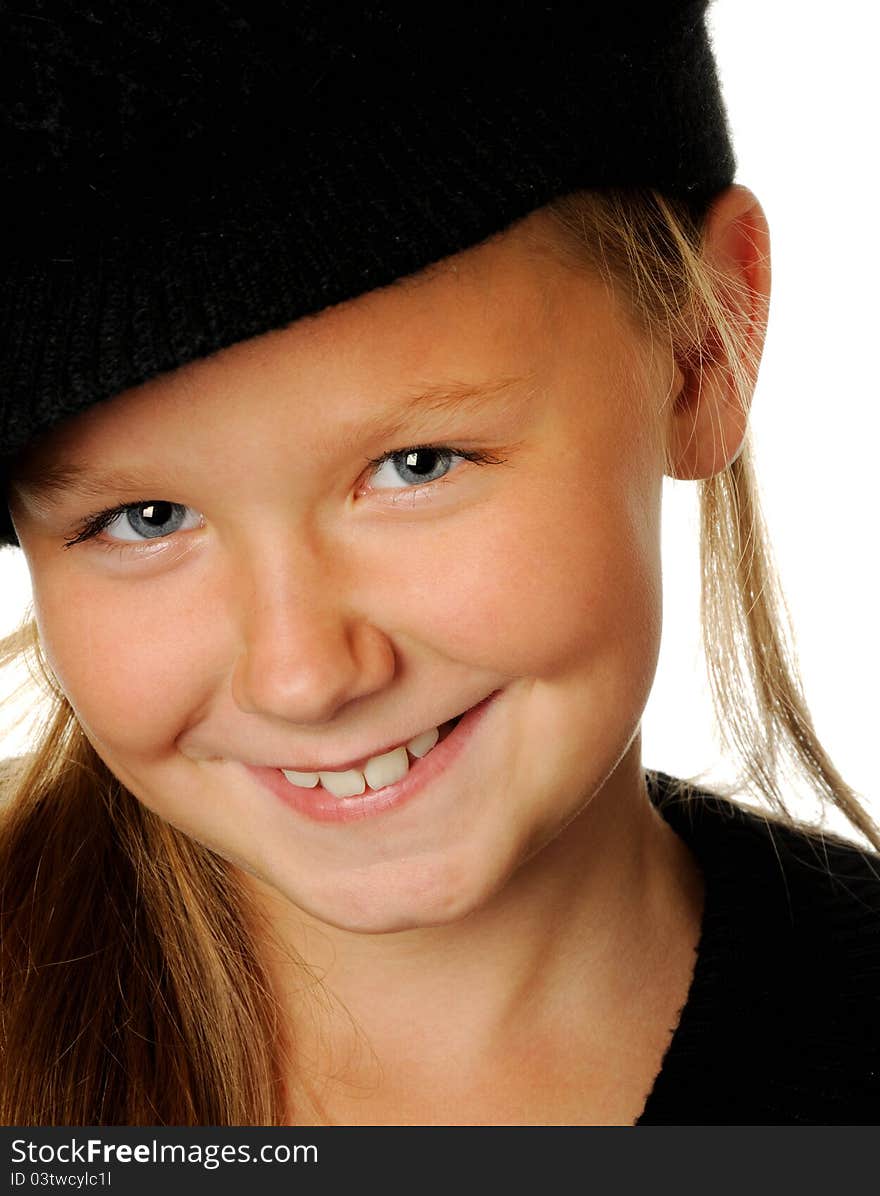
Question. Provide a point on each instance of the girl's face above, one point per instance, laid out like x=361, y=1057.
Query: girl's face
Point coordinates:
x=272, y=599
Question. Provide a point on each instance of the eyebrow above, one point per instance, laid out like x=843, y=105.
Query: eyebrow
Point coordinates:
x=42, y=484
x=498, y=394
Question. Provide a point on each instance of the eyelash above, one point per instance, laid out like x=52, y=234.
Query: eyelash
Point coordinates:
x=93, y=525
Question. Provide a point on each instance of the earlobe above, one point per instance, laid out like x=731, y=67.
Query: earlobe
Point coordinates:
x=707, y=425
x=716, y=373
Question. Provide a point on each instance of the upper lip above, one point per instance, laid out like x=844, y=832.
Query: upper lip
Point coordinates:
x=359, y=761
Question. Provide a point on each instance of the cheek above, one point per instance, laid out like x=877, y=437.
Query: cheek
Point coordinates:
x=122, y=658
x=548, y=579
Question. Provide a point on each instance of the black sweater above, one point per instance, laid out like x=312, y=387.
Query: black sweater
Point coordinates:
x=782, y=1022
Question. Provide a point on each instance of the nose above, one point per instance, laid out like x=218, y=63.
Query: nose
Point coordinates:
x=305, y=652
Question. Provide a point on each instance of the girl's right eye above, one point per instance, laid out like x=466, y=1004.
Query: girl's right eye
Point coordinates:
x=138, y=522
x=149, y=520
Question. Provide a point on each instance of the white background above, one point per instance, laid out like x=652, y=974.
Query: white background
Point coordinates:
x=800, y=84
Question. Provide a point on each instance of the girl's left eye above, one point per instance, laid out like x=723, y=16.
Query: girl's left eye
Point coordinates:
x=136, y=523
x=419, y=465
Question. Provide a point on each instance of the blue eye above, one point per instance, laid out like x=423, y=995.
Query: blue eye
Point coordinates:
x=135, y=523
x=149, y=521
x=416, y=465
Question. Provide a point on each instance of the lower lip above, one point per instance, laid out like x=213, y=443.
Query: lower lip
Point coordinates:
x=322, y=806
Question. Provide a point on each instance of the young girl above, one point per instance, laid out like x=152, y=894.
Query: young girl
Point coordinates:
x=344, y=357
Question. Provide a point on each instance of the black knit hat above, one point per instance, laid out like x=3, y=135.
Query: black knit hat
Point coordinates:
x=179, y=178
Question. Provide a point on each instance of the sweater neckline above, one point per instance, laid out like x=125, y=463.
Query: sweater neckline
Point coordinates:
x=708, y=826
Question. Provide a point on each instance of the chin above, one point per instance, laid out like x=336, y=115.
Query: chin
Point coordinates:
x=425, y=896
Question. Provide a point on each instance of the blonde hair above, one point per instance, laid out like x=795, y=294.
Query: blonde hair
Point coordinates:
x=132, y=989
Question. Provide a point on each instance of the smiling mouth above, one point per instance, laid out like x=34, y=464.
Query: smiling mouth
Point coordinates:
x=377, y=771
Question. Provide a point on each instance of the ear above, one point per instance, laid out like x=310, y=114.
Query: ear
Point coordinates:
x=706, y=422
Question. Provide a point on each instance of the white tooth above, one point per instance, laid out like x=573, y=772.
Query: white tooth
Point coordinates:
x=422, y=744
x=344, y=784
x=385, y=770
x=306, y=780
